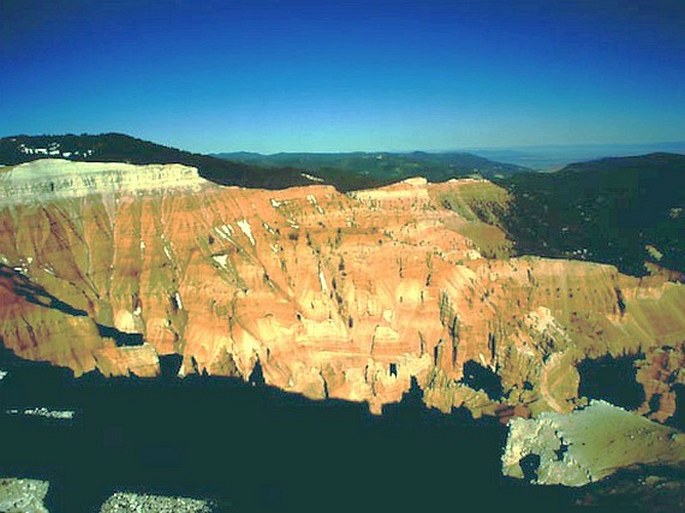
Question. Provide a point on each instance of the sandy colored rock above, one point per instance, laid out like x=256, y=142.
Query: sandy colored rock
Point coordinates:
x=344, y=296
x=659, y=372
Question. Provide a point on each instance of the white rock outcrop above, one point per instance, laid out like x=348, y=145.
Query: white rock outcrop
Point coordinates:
x=50, y=179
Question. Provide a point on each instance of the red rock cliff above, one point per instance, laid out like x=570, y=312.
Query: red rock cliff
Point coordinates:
x=345, y=296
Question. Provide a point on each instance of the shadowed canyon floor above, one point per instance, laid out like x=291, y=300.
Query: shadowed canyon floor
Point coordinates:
x=253, y=448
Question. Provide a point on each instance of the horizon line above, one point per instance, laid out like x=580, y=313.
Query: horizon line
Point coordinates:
x=462, y=149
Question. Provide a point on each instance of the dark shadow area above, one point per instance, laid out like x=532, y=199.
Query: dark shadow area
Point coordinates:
x=481, y=378
x=257, y=375
x=530, y=464
x=678, y=419
x=611, y=379
x=33, y=293
x=253, y=448
x=120, y=338
x=169, y=366
x=559, y=453
x=37, y=295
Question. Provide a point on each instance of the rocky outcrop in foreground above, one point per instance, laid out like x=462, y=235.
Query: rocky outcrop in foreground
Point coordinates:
x=588, y=445
x=23, y=495
x=143, y=503
x=28, y=495
x=108, y=267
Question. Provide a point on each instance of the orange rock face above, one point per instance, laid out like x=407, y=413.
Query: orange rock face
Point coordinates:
x=345, y=296
x=661, y=369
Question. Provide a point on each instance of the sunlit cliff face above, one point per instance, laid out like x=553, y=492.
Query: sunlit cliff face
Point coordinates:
x=344, y=296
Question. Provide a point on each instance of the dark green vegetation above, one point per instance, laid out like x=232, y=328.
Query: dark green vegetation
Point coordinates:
x=383, y=167
x=123, y=148
x=623, y=211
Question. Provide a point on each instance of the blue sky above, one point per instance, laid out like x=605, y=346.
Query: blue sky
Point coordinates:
x=339, y=76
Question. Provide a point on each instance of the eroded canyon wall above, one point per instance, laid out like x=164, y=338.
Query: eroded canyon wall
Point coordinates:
x=335, y=295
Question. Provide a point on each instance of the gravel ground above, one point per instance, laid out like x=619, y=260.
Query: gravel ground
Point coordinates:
x=23, y=495
x=140, y=503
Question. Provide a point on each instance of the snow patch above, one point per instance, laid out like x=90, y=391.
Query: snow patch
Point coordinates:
x=224, y=231
x=311, y=177
x=177, y=299
x=244, y=225
x=222, y=260
x=322, y=279
x=44, y=412
x=312, y=199
x=268, y=228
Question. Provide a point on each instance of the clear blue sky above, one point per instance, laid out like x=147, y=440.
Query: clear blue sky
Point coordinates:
x=272, y=76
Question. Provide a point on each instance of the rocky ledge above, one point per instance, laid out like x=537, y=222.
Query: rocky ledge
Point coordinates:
x=588, y=445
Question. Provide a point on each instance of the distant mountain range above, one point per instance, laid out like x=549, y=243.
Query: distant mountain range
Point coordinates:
x=384, y=167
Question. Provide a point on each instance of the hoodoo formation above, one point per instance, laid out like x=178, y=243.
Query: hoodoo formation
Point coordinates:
x=351, y=296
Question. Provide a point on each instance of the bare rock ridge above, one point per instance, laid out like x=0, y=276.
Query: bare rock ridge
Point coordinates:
x=50, y=179
x=335, y=295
